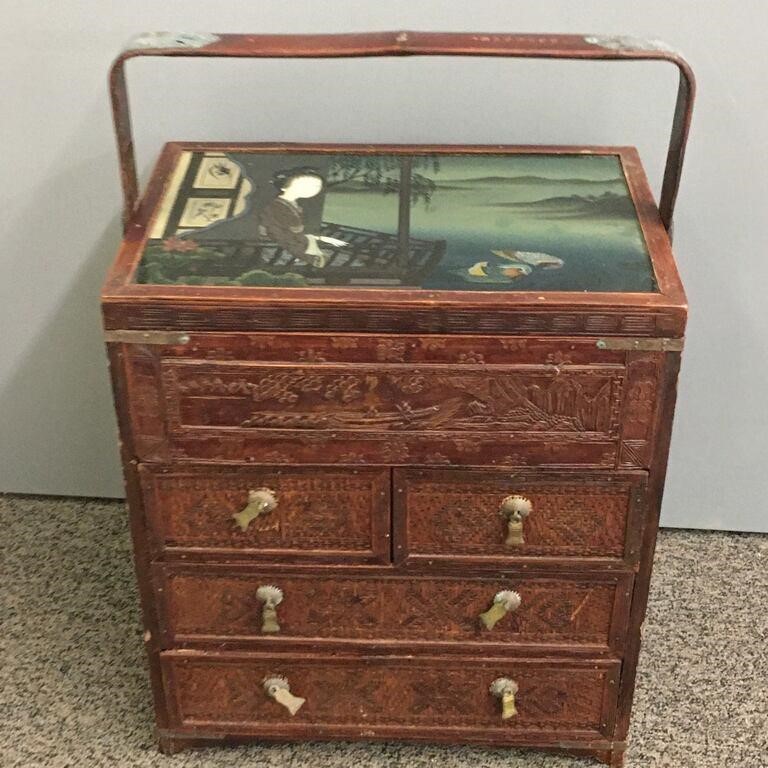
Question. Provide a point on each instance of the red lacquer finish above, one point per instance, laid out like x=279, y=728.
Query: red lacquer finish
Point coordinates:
x=388, y=427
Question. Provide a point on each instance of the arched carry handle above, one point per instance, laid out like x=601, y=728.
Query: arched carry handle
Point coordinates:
x=592, y=47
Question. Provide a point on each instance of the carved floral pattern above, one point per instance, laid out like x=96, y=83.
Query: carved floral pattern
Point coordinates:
x=344, y=342
x=514, y=459
x=514, y=345
x=410, y=383
x=471, y=358
x=391, y=350
x=395, y=453
x=639, y=410
x=437, y=458
x=640, y=407
x=559, y=358
x=310, y=356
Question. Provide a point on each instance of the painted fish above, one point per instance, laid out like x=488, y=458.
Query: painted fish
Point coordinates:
x=543, y=260
x=514, y=270
x=485, y=272
x=480, y=269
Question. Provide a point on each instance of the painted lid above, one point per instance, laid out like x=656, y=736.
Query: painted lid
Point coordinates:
x=479, y=221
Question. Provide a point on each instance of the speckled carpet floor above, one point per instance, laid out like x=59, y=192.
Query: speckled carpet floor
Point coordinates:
x=75, y=692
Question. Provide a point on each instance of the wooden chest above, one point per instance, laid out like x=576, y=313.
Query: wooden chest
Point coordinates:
x=394, y=423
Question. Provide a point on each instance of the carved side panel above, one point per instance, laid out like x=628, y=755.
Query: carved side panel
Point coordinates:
x=450, y=513
x=641, y=401
x=556, y=611
x=390, y=692
x=146, y=404
x=339, y=512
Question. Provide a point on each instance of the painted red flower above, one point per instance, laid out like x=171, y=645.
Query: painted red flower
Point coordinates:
x=179, y=244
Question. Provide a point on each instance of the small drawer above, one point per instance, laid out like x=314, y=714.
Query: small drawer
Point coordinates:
x=234, y=605
x=493, y=517
x=390, y=697
x=296, y=513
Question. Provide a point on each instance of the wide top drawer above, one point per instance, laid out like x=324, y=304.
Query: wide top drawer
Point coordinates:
x=392, y=400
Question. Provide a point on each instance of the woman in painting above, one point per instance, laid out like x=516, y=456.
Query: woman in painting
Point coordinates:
x=283, y=218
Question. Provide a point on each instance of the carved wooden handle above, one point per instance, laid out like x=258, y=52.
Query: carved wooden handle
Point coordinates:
x=277, y=688
x=503, y=602
x=515, y=509
x=260, y=502
x=505, y=689
x=270, y=597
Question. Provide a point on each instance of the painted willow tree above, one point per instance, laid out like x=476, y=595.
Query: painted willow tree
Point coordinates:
x=390, y=174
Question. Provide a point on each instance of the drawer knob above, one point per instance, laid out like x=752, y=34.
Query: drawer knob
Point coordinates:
x=260, y=502
x=503, y=602
x=515, y=509
x=271, y=597
x=277, y=688
x=505, y=689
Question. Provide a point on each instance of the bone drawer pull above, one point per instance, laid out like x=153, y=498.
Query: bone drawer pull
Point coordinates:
x=270, y=598
x=505, y=689
x=515, y=509
x=503, y=602
x=260, y=502
x=277, y=688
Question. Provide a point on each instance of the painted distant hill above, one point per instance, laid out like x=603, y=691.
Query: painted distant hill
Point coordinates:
x=356, y=185
x=609, y=205
x=531, y=180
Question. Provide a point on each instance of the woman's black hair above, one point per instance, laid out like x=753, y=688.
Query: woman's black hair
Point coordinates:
x=281, y=179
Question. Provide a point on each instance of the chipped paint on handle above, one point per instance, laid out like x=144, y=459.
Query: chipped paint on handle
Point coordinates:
x=170, y=40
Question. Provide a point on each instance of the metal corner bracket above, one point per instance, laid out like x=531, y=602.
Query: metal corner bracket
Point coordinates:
x=164, y=338
x=641, y=345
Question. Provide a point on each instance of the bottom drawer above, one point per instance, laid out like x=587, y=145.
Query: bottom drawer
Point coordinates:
x=392, y=696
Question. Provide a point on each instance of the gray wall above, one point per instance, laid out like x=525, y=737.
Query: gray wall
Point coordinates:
x=60, y=197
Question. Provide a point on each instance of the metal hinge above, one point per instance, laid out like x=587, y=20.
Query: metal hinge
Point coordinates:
x=166, y=338
x=642, y=345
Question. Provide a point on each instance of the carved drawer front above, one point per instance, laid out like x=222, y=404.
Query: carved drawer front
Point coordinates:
x=392, y=400
x=492, y=517
x=390, y=696
x=296, y=513
x=580, y=612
